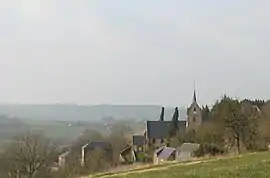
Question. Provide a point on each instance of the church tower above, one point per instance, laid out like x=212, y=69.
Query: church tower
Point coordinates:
x=194, y=114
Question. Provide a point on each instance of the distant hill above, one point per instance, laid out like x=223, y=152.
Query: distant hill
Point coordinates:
x=10, y=126
x=91, y=113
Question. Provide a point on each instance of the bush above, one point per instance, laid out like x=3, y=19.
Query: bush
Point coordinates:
x=209, y=149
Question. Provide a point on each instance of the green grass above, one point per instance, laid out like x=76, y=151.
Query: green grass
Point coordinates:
x=250, y=165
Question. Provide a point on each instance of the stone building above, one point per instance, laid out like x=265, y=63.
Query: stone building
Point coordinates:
x=194, y=114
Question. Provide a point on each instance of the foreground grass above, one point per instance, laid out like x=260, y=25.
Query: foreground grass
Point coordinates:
x=255, y=165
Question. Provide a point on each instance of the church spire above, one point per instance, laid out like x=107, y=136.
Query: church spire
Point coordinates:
x=194, y=97
x=194, y=94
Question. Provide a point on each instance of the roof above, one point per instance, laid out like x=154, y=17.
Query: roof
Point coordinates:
x=138, y=140
x=125, y=151
x=96, y=145
x=157, y=151
x=166, y=153
x=160, y=129
x=188, y=147
x=65, y=154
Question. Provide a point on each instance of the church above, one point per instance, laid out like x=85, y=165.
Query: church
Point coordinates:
x=156, y=132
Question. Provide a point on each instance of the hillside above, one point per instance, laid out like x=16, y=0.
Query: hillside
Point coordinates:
x=250, y=165
x=10, y=126
x=80, y=112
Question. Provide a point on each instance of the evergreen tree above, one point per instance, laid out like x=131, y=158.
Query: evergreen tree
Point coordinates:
x=162, y=114
x=174, y=127
x=205, y=113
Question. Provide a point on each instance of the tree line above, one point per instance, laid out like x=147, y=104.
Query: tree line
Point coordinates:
x=231, y=125
x=32, y=155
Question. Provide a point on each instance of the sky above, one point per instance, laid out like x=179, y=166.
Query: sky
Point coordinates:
x=133, y=52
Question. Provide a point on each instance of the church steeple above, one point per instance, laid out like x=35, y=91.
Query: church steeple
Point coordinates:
x=194, y=114
x=194, y=94
x=194, y=97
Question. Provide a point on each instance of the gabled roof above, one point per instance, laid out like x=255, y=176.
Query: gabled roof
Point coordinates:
x=160, y=129
x=97, y=145
x=194, y=102
x=193, y=105
x=166, y=152
x=125, y=151
x=188, y=147
x=65, y=154
x=159, y=150
x=138, y=140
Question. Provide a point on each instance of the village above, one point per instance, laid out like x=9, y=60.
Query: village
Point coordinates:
x=153, y=140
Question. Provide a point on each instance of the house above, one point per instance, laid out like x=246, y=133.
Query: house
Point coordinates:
x=128, y=155
x=157, y=131
x=138, y=142
x=185, y=151
x=164, y=154
x=97, y=145
x=62, y=159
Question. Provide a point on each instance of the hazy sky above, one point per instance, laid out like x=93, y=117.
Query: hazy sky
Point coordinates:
x=133, y=51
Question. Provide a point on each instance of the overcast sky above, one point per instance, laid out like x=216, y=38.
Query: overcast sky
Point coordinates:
x=133, y=51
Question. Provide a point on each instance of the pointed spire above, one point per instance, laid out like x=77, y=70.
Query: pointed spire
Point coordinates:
x=194, y=94
x=194, y=97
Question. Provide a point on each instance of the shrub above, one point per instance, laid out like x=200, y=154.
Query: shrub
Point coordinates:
x=209, y=149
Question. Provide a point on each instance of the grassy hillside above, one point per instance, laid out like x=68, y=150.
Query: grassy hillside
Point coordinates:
x=251, y=165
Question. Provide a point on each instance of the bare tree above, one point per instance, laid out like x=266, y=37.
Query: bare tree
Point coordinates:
x=30, y=154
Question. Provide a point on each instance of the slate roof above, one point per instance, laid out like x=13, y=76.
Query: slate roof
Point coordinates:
x=188, y=147
x=98, y=144
x=159, y=150
x=160, y=129
x=138, y=140
x=166, y=153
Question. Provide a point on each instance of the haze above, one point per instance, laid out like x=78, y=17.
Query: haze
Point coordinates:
x=133, y=52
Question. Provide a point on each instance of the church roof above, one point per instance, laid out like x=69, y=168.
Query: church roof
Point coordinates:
x=194, y=102
x=160, y=129
x=194, y=97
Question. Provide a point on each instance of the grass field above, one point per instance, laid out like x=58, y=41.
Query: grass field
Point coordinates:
x=255, y=165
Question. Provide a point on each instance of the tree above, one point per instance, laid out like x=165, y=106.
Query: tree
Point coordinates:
x=174, y=127
x=205, y=113
x=256, y=102
x=118, y=143
x=237, y=121
x=251, y=133
x=162, y=114
x=29, y=155
x=97, y=161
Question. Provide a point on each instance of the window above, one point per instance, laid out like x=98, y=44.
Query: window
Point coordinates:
x=194, y=119
x=162, y=141
x=194, y=111
x=154, y=141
